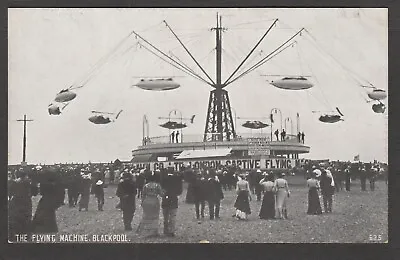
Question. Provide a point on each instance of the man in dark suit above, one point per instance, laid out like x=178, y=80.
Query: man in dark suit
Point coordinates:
x=171, y=183
x=347, y=173
x=126, y=191
x=214, y=195
x=199, y=194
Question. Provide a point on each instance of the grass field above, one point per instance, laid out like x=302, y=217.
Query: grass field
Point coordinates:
x=356, y=217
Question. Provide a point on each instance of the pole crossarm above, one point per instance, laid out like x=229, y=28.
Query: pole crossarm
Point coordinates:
x=190, y=54
x=265, y=59
x=183, y=69
x=251, y=52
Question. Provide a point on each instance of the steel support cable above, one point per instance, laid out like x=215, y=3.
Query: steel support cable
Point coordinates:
x=349, y=75
x=261, y=62
x=165, y=55
x=179, y=68
x=99, y=63
x=252, y=50
x=265, y=59
x=113, y=58
x=190, y=53
x=184, y=64
x=332, y=57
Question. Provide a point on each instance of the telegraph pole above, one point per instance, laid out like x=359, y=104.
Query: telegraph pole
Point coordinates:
x=24, y=139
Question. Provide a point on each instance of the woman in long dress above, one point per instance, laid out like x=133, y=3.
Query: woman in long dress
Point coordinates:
x=242, y=204
x=268, y=204
x=282, y=193
x=151, y=207
x=314, y=205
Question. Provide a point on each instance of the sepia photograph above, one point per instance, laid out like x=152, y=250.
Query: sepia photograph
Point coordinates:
x=197, y=125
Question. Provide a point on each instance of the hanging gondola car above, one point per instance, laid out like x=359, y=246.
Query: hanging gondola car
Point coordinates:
x=377, y=94
x=65, y=95
x=292, y=83
x=331, y=118
x=101, y=118
x=157, y=84
x=254, y=124
x=173, y=125
x=379, y=108
x=54, y=109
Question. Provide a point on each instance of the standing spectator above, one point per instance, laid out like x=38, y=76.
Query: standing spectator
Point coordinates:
x=19, y=205
x=126, y=191
x=372, y=178
x=282, y=193
x=45, y=220
x=98, y=191
x=363, y=177
x=299, y=137
x=283, y=134
x=314, y=205
x=173, y=137
x=302, y=137
x=347, y=173
x=277, y=134
x=327, y=190
x=258, y=187
x=172, y=186
x=268, y=204
x=338, y=177
x=199, y=194
x=214, y=195
x=242, y=204
x=151, y=207
x=86, y=177
x=140, y=183
x=73, y=188
x=177, y=136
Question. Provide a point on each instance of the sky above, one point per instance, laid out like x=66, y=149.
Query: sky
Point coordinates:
x=51, y=49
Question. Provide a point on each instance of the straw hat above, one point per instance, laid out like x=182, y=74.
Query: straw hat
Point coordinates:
x=99, y=182
x=317, y=173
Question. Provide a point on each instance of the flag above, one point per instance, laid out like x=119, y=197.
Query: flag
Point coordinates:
x=357, y=157
x=298, y=115
x=271, y=117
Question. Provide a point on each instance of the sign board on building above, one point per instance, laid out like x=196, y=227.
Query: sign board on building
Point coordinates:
x=259, y=146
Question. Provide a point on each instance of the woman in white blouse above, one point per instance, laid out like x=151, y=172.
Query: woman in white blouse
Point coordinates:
x=282, y=193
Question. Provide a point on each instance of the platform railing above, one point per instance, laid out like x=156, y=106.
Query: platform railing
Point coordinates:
x=191, y=138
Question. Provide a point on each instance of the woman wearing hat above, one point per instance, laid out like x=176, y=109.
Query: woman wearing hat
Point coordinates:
x=98, y=191
x=314, y=205
x=126, y=191
x=242, y=204
x=282, y=193
x=268, y=204
x=151, y=207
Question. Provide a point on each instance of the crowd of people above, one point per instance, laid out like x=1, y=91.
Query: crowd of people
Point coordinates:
x=205, y=186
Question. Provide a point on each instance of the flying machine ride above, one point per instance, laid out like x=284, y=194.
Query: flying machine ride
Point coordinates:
x=65, y=95
x=157, y=84
x=292, y=83
x=377, y=94
x=254, y=124
x=54, y=108
x=101, y=118
x=331, y=118
x=170, y=124
x=379, y=108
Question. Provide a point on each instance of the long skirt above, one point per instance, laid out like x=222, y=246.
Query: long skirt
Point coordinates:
x=281, y=197
x=314, y=205
x=242, y=205
x=150, y=219
x=45, y=220
x=268, y=206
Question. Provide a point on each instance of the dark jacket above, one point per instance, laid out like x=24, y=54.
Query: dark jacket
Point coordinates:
x=214, y=190
x=172, y=185
x=199, y=189
x=326, y=188
x=126, y=191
